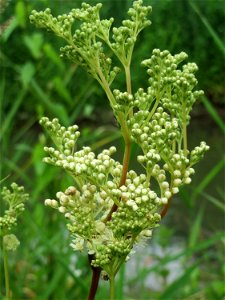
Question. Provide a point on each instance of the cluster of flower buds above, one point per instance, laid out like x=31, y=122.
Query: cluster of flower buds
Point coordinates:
x=198, y=153
x=64, y=138
x=87, y=209
x=158, y=134
x=127, y=33
x=171, y=85
x=85, y=47
x=124, y=102
x=10, y=242
x=82, y=164
x=15, y=200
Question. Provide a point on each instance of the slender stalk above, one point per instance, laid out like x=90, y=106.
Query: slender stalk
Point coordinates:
x=128, y=79
x=120, y=116
x=185, y=137
x=126, y=159
x=112, y=288
x=96, y=271
x=6, y=271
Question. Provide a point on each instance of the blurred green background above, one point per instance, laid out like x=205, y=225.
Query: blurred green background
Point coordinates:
x=185, y=258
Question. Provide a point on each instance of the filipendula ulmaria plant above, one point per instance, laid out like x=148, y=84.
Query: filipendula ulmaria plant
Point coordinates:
x=14, y=199
x=111, y=208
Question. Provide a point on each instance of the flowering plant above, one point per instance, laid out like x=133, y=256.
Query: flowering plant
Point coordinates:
x=15, y=199
x=110, y=207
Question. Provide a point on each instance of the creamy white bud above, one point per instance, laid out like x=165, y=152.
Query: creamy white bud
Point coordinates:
x=161, y=177
x=101, y=176
x=147, y=233
x=131, y=187
x=135, y=207
x=62, y=209
x=177, y=173
x=123, y=188
x=100, y=226
x=165, y=185
x=175, y=190
x=144, y=198
x=110, y=184
x=177, y=182
x=164, y=200
x=168, y=194
x=54, y=203
x=48, y=202
x=152, y=195
x=187, y=180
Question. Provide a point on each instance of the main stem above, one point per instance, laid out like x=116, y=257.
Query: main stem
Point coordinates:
x=6, y=271
x=126, y=159
x=112, y=288
x=96, y=271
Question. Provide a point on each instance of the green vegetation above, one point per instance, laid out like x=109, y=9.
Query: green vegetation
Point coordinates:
x=35, y=82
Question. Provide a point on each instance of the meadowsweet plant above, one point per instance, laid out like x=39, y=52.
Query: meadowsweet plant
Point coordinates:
x=14, y=199
x=111, y=208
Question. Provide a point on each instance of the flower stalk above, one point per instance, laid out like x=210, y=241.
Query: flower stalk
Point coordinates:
x=14, y=198
x=6, y=271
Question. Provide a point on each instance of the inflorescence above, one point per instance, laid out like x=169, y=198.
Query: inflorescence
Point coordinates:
x=15, y=200
x=156, y=119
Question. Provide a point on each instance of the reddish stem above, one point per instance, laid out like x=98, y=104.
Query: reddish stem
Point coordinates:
x=96, y=271
x=165, y=208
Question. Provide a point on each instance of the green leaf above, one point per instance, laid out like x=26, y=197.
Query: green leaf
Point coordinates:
x=27, y=72
x=21, y=13
x=34, y=43
x=61, y=89
x=53, y=55
x=11, y=26
x=37, y=156
x=57, y=109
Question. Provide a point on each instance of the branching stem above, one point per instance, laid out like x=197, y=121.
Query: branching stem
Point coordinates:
x=128, y=79
x=6, y=271
x=185, y=137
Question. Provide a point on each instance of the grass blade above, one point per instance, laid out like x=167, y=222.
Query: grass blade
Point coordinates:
x=211, y=31
x=215, y=116
x=219, y=204
x=9, y=118
x=178, y=284
x=209, y=177
x=196, y=228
